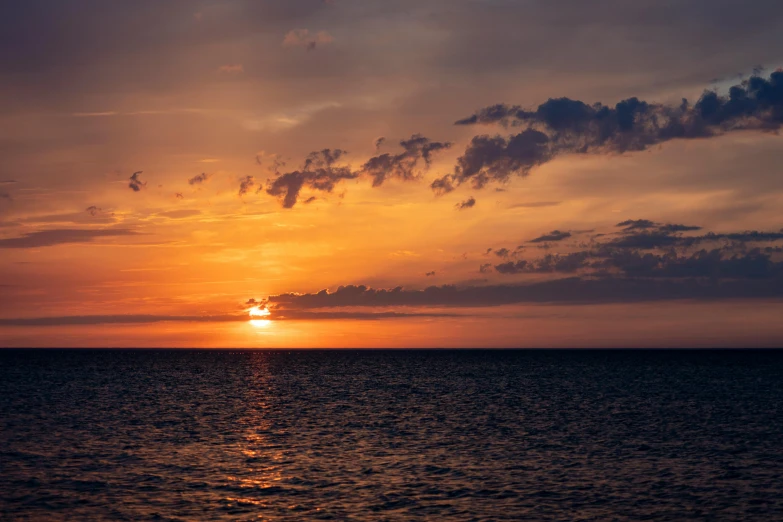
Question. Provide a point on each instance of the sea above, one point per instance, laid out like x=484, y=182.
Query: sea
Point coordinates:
x=391, y=435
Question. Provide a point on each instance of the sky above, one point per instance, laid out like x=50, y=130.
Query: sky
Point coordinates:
x=367, y=173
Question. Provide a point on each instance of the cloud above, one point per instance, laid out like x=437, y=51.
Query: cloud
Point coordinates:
x=151, y=319
x=404, y=165
x=7, y=181
x=198, y=180
x=94, y=114
x=321, y=170
x=551, y=263
x=555, y=235
x=737, y=265
x=468, y=203
x=494, y=159
x=646, y=234
x=572, y=290
x=646, y=224
x=93, y=210
x=645, y=249
x=232, y=68
x=535, y=204
x=634, y=224
x=303, y=38
x=135, y=182
x=117, y=319
x=180, y=214
x=565, y=126
x=45, y=238
x=245, y=184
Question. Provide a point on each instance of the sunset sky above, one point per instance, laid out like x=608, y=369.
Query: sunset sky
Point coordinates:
x=374, y=173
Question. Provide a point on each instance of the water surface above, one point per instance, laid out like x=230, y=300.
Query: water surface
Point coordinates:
x=391, y=435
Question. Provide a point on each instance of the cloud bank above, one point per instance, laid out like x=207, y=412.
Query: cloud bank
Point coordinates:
x=565, y=126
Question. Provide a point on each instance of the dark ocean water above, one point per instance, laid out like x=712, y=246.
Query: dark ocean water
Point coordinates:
x=381, y=435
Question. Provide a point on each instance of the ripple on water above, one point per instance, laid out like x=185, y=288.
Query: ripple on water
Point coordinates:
x=347, y=435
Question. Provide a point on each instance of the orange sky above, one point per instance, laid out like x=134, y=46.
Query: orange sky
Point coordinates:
x=236, y=89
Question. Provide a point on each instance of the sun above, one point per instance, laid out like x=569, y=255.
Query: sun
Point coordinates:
x=259, y=312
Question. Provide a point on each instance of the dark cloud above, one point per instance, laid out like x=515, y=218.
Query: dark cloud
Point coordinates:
x=561, y=126
x=555, y=235
x=201, y=178
x=246, y=184
x=179, y=195
x=502, y=252
x=468, y=203
x=319, y=172
x=512, y=267
x=551, y=263
x=305, y=315
x=634, y=224
x=485, y=268
x=135, y=182
x=45, y=238
x=6, y=196
x=715, y=264
x=645, y=249
x=573, y=290
x=93, y=210
x=404, y=165
x=430, y=274
x=7, y=181
x=379, y=143
x=646, y=224
x=645, y=234
x=494, y=159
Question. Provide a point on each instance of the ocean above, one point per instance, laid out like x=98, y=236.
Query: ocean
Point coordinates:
x=391, y=435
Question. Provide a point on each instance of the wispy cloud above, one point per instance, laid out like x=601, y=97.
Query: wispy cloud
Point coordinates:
x=94, y=114
x=232, y=68
x=46, y=238
x=289, y=315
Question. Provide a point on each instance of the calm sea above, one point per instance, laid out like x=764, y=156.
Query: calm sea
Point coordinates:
x=391, y=435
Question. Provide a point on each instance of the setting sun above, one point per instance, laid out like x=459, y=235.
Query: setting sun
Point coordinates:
x=259, y=312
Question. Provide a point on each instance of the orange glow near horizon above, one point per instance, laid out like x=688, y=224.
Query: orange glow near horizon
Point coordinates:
x=259, y=312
